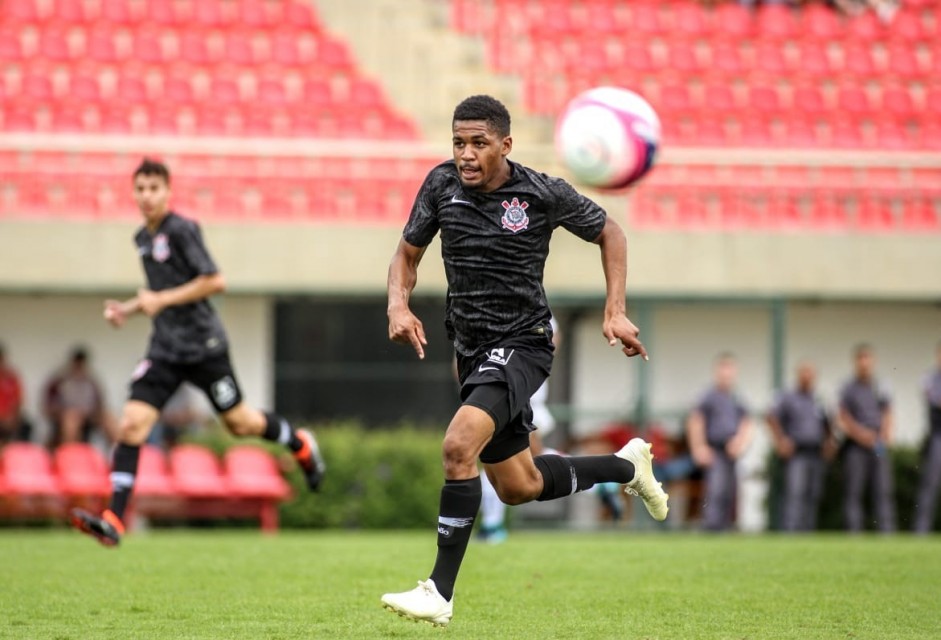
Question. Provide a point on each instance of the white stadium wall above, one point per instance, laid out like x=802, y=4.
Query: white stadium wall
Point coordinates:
x=40, y=330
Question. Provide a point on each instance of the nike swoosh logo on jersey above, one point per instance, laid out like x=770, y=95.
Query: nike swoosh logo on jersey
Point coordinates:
x=456, y=200
x=483, y=368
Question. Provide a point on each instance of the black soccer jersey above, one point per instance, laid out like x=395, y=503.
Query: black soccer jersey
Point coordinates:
x=174, y=255
x=495, y=246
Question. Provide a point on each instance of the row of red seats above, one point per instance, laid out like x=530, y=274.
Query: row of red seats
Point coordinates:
x=78, y=474
x=354, y=93
x=209, y=121
x=693, y=20
x=283, y=49
x=372, y=201
x=209, y=13
x=718, y=59
x=753, y=209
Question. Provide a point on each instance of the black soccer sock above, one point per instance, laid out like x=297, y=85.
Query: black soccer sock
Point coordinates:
x=562, y=476
x=279, y=430
x=460, y=501
x=123, y=473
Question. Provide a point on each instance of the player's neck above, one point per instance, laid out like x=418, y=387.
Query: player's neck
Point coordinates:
x=153, y=223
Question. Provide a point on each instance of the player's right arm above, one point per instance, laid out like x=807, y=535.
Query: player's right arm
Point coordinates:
x=117, y=312
x=404, y=326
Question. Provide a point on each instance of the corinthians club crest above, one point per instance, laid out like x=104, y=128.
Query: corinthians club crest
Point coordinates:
x=515, y=218
x=161, y=249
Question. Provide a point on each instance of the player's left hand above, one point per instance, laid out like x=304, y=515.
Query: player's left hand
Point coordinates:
x=149, y=302
x=618, y=327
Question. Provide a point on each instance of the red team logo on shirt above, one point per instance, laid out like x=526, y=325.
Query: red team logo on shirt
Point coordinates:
x=161, y=250
x=515, y=218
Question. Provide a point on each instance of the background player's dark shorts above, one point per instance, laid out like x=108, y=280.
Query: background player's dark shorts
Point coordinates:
x=154, y=381
x=517, y=366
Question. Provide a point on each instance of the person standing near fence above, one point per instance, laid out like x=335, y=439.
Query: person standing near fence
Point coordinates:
x=866, y=418
x=931, y=457
x=800, y=430
x=719, y=431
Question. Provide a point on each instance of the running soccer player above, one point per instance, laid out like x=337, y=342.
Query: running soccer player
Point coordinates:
x=188, y=344
x=496, y=218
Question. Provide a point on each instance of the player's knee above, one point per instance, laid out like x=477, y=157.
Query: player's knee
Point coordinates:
x=458, y=458
x=239, y=426
x=133, y=431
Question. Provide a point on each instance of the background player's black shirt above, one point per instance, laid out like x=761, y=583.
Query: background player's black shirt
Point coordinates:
x=495, y=246
x=174, y=255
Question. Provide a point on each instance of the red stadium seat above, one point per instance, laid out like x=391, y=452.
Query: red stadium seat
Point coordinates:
x=919, y=215
x=865, y=27
x=691, y=20
x=906, y=27
x=719, y=98
x=300, y=16
x=903, y=63
x=799, y=133
x=764, y=99
x=827, y=214
x=733, y=21
x=892, y=136
x=118, y=12
x=153, y=476
x=821, y=22
x=224, y=91
x=645, y=18
x=131, y=90
x=897, y=102
x=27, y=469
x=776, y=22
x=333, y=55
x=674, y=99
x=196, y=472
x=769, y=59
x=147, y=45
x=808, y=100
x=271, y=92
x=83, y=89
x=874, y=215
x=193, y=48
x=813, y=60
x=845, y=135
x=852, y=99
x=82, y=471
x=69, y=11
x=251, y=472
x=682, y=58
x=933, y=100
x=37, y=88
x=857, y=60
x=238, y=48
x=53, y=45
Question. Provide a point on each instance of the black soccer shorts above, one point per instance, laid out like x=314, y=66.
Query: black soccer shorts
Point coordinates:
x=154, y=381
x=500, y=380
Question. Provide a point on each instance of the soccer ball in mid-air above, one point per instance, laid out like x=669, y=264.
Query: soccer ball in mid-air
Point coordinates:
x=607, y=137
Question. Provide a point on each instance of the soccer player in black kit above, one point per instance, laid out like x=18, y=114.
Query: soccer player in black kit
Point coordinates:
x=496, y=218
x=188, y=343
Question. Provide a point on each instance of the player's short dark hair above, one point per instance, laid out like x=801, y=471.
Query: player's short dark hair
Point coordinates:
x=485, y=108
x=151, y=167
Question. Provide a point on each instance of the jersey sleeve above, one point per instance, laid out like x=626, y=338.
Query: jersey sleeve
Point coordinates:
x=190, y=239
x=577, y=214
x=422, y=225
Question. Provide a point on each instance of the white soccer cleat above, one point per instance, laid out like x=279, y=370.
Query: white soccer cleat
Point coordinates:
x=644, y=485
x=422, y=604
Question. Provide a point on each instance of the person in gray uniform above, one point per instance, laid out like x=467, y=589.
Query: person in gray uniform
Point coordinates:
x=800, y=429
x=866, y=418
x=931, y=461
x=719, y=431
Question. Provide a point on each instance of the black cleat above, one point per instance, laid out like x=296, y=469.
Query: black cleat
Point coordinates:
x=107, y=529
x=310, y=459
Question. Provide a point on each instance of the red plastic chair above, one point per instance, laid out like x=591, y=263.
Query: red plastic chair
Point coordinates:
x=865, y=28
x=906, y=27
x=682, y=58
x=769, y=59
x=37, y=88
x=874, y=215
x=733, y=21
x=897, y=102
x=933, y=100
x=334, y=55
x=251, y=472
x=821, y=22
x=27, y=469
x=271, y=92
x=674, y=99
x=719, y=98
x=153, y=476
x=857, y=60
x=903, y=63
x=645, y=18
x=147, y=46
x=852, y=99
x=814, y=62
x=238, y=48
x=196, y=472
x=82, y=471
x=53, y=45
x=690, y=20
x=776, y=22
x=224, y=91
x=764, y=99
x=131, y=90
x=919, y=215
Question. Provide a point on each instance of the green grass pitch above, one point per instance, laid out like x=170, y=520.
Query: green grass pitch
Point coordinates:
x=240, y=584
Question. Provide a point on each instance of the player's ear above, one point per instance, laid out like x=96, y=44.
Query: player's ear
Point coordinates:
x=507, y=145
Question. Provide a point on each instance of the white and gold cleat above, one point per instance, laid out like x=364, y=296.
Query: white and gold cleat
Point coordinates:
x=421, y=604
x=644, y=485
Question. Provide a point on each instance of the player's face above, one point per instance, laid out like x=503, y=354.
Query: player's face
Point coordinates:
x=151, y=192
x=480, y=155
